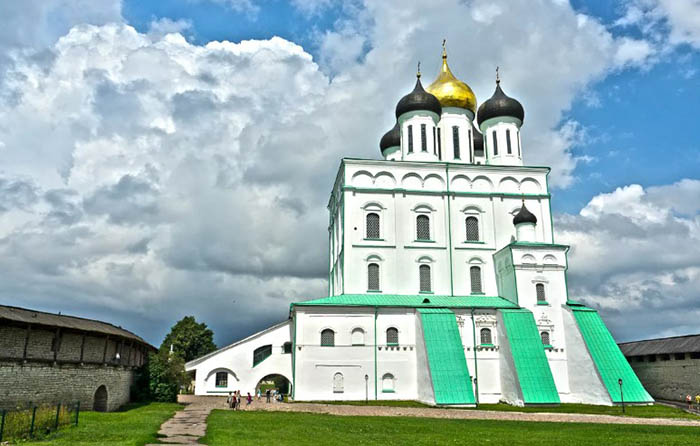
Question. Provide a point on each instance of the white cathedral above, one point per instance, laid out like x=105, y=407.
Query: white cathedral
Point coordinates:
x=445, y=283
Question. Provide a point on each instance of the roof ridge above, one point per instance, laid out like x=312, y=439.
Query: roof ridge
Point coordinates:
x=68, y=316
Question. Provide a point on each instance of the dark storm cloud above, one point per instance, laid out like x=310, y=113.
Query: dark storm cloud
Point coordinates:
x=17, y=194
x=130, y=201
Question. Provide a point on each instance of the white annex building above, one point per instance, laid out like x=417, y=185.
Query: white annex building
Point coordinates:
x=445, y=283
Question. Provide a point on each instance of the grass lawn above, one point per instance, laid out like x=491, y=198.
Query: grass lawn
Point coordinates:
x=283, y=428
x=655, y=411
x=135, y=425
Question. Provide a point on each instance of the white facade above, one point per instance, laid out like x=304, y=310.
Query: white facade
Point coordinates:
x=427, y=227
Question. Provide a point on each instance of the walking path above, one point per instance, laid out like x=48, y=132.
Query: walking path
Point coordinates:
x=470, y=414
x=190, y=424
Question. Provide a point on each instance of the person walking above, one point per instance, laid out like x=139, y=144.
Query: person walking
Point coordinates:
x=238, y=401
x=249, y=399
x=259, y=394
x=697, y=401
x=229, y=400
x=267, y=394
x=689, y=400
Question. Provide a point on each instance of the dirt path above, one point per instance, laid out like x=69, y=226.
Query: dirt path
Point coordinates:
x=471, y=414
x=189, y=424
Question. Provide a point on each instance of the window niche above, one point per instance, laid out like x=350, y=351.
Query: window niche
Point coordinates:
x=373, y=277
x=392, y=336
x=485, y=337
x=388, y=384
x=358, y=337
x=327, y=338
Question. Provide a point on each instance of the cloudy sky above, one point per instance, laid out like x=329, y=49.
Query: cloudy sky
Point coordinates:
x=160, y=159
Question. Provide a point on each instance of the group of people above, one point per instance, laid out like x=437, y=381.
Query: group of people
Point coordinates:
x=689, y=400
x=234, y=400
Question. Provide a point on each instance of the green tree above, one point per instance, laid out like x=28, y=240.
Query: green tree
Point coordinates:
x=189, y=339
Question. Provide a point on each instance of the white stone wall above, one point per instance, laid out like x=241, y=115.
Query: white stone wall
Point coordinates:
x=237, y=360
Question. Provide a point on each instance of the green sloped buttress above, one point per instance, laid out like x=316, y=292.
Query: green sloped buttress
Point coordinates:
x=609, y=360
x=448, y=366
x=531, y=365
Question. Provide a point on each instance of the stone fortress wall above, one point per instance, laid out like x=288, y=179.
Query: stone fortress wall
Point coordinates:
x=669, y=376
x=48, y=364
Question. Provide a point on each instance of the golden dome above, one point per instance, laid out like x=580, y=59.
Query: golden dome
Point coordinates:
x=450, y=91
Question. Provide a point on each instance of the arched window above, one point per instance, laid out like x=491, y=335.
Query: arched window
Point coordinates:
x=424, y=278
x=373, y=277
x=517, y=137
x=469, y=138
x=545, y=337
x=495, y=143
x=472, y=229
x=261, y=353
x=221, y=379
x=508, y=141
x=475, y=276
x=338, y=384
x=434, y=143
x=423, y=139
x=423, y=227
x=388, y=383
x=392, y=336
x=486, y=336
x=327, y=338
x=455, y=140
x=372, y=225
x=410, y=138
x=358, y=336
x=439, y=143
x=287, y=347
x=539, y=289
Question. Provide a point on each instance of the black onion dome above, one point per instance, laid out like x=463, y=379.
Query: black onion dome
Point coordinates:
x=500, y=105
x=392, y=138
x=524, y=216
x=418, y=99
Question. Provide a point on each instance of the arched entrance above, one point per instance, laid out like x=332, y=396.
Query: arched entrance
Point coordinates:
x=274, y=381
x=100, y=400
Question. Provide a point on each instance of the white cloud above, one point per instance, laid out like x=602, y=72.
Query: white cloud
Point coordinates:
x=631, y=257
x=677, y=21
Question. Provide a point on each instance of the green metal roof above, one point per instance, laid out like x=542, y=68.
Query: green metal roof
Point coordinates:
x=608, y=358
x=410, y=300
x=448, y=366
x=531, y=365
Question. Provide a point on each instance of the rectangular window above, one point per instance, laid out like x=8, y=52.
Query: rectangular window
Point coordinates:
x=423, y=139
x=455, y=140
x=434, y=144
x=495, y=143
x=410, y=138
x=424, y=279
x=508, y=141
x=261, y=353
x=518, y=141
x=221, y=379
x=475, y=277
x=439, y=142
x=373, y=277
x=679, y=356
x=695, y=355
x=651, y=358
x=665, y=357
